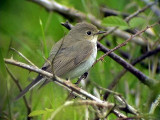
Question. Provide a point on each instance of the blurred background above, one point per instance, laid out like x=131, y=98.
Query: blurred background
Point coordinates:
x=21, y=28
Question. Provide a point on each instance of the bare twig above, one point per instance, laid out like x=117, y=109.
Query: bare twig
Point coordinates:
x=127, y=19
x=140, y=11
x=154, y=8
x=20, y=89
x=134, y=62
x=68, y=85
x=109, y=12
x=80, y=102
x=104, y=89
x=73, y=13
x=19, y=53
x=124, y=43
x=142, y=77
x=154, y=105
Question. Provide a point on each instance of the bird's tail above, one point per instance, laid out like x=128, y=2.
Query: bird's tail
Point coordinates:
x=30, y=86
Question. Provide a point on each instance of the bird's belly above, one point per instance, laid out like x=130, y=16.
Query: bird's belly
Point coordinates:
x=83, y=67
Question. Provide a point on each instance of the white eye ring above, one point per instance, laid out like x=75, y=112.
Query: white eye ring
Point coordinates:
x=89, y=33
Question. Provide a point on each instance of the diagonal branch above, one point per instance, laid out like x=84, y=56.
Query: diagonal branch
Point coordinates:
x=73, y=13
x=68, y=85
x=20, y=89
x=134, y=62
x=142, y=77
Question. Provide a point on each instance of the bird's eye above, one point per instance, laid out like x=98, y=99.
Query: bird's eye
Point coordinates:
x=89, y=33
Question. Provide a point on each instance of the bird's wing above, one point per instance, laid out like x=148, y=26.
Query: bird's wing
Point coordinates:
x=70, y=57
x=39, y=78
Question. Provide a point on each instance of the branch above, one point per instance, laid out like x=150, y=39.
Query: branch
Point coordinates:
x=80, y=102
x=125, y=42
x=19, y=53
x=154, y=105
x=111, y=12
x=54, y=6
x=68, y=85
x=73, y=13
x=142, y=77
x=140, y=11
x=20, y=89
x=127, y=19
x=134, y=62
x=155, y=9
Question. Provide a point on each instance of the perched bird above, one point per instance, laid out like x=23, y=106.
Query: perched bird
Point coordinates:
x=72, y=56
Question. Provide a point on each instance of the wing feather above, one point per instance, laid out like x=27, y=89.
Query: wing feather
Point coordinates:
x=70, y=57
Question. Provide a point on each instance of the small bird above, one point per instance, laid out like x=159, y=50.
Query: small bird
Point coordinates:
x=72, y=56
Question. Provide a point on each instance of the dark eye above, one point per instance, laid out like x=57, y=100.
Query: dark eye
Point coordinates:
x=89, y=33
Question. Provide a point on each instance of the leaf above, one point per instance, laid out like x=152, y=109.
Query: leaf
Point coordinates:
x=36, y=113
x=114, y=21
x=137, y=21
x=49, y=110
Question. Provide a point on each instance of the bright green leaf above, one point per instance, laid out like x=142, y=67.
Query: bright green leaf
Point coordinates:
x=114, y=21
x=37, y=112
x=49, y=110
x=137, y=21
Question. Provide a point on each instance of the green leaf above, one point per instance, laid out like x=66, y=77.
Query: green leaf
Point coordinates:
x=137, y=21
x=49, y=110
x=114, y=21
x=36, y=113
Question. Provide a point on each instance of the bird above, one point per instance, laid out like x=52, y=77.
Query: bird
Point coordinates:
x=71, y=56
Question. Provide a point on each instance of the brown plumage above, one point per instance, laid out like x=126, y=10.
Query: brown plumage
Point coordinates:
x=72, y=56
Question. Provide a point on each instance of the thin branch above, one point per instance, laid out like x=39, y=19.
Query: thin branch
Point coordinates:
x=68, y=85
x=105, y=89
x=134, y=62
x=154, y=105
x=155, y=9
x=19, y=53
x=20, y=89
x=127, y=19
x=80, y=102
x=140, y=11
x=142, y=77
x=125, y=42
x=73, y=13
x=111, y=12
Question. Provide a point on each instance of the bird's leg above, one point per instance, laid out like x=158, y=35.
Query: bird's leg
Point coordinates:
x=83, y=77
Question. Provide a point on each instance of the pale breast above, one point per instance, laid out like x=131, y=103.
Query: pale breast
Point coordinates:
x=85, y=66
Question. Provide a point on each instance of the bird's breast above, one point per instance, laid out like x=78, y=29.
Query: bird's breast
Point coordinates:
x=85, y=66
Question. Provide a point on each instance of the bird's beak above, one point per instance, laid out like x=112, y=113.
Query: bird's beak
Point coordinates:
x=100, y=32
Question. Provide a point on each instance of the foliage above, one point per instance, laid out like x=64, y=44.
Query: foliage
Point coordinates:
x=32, y=30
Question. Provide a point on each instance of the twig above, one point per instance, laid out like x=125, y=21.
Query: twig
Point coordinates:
x=134, y=62
x=124, y=43
x=142, y=77
x=81, y=102
x=68, y=85
x=19, y=53
x=140, y=11
x=155, y=9
x=104, y=89
x=20, y=89
x=127, y=19
x=109, y=12
x=125, y=106
x=73, y=13
x=154, y=105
